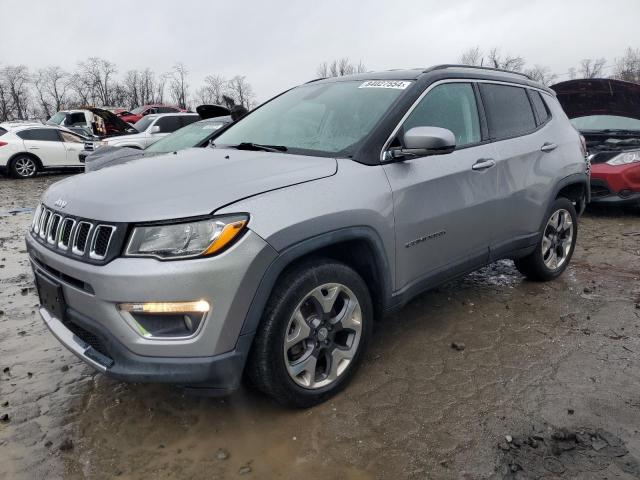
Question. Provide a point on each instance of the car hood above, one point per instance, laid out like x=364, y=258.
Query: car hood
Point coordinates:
x=599, y=96
x=108, y=156
x=188, y=183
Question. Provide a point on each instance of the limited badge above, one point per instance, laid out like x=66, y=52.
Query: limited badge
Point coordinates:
x=397, y=84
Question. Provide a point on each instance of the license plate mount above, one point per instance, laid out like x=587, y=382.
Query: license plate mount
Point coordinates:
x=51, y=296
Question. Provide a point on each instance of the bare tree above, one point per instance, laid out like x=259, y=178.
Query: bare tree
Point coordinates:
x=541, y=74
x=178, y=86
x=340, y=67
x=590, y=68
x=213, y=90
x=506, y=62
x=241, y=91
x=52, y=86
x=628, y=67
x=16, y=80
x=98, y=74
x=472, y=56
x=5, y=100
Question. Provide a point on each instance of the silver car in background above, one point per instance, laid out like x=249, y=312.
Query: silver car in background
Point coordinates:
x=270, y=255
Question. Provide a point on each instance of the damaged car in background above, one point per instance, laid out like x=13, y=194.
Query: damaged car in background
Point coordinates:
x=195, y=134
x=607, y=114
x=92, y=122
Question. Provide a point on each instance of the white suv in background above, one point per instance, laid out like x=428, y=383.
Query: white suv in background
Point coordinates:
x=26, y=149
x=151, y=128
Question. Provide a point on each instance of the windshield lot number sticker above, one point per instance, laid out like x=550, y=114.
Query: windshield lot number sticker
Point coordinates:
x=397, y=84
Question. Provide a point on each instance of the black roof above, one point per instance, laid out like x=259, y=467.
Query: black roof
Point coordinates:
x=438, y=72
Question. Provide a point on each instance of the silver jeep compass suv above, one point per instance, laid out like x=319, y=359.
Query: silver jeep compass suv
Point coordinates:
x=271, y=252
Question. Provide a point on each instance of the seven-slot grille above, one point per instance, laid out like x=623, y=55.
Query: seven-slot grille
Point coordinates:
x=71, y=235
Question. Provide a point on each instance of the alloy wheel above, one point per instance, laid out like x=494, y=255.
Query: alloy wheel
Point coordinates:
x=25, y=167
x=557, y=239
x=322, y=336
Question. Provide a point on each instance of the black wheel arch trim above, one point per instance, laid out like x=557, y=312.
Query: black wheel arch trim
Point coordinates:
x=573, y=179
x=305, y=247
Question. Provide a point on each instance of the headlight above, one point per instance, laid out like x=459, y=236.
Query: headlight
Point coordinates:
x=625, y=158
x=186, y=240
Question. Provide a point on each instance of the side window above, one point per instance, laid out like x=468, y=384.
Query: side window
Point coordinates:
x=188, y=119
x=452, y=106
x=508, y=109
x=540, y=106
x=70, y=137
x=41, y=134
x=168, y=124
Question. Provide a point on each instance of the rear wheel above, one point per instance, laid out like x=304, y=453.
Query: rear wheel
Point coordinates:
x=312, y=337
x=555, y=247
x=24, y=166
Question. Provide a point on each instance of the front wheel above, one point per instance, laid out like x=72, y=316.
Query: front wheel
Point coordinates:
x=24, y=166
x=312, y=337
x=555, y=247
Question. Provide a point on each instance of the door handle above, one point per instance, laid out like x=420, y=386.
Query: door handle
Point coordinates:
x=483, y=164
x=548, y=147
x=33, y=148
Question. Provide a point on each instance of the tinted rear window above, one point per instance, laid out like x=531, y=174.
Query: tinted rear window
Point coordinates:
x=2, y=131
x=509, y=112
x=43, y=134
x=540, y=106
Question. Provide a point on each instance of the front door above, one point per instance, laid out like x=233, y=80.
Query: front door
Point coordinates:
x=444, y=204
x=73, y=145
x=46, y=145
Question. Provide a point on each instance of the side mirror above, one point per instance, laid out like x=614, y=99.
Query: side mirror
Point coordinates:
x=155, y=129
x=423, y=141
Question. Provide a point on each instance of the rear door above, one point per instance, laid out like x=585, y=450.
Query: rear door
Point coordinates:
x=73, y=144
x=45, y=143
x=523, y=171
x=443, y=205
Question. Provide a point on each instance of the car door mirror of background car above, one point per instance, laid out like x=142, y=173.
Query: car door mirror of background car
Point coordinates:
x=424, y=141
x=155, y=129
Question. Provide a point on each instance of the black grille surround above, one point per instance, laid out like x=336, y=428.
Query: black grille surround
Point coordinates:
x=82, y=239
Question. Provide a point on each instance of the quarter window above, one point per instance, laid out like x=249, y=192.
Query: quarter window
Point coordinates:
x=42, y=134
x=508, y=109
x=70, y=138
x=451, y=106
x=540, y=106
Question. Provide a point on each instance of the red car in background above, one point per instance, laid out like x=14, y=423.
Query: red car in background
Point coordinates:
x=139, y=112
x=607, y=114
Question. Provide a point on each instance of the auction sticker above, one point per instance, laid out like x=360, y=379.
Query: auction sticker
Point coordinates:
x=397, y=84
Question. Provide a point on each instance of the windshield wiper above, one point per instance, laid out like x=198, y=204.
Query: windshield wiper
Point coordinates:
x=258, y=146
x=618, y=130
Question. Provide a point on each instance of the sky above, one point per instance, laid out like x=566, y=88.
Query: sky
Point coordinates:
x=278, y=44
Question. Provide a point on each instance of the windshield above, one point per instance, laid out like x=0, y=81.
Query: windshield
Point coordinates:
x=142, y=124
x=138, y=110
x=187, y=137
x=605, y=122
x=325, y=119
x=57, y=119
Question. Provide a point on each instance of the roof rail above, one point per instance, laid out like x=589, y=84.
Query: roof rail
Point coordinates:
x=316, y=80
x=454, y=65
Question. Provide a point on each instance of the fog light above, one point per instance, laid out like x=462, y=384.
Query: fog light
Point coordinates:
x=625, y=193
x=200, y=306
x=166, y=319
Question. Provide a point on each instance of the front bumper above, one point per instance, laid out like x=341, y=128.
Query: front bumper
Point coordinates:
x=615, y=184
x=103, y=336
x=95, y=345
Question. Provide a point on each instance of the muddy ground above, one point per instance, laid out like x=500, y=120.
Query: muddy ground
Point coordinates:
x=545, y=385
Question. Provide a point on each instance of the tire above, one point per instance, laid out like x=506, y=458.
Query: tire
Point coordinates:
x=23, y=166
x=539, y=265
x=329, y=298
